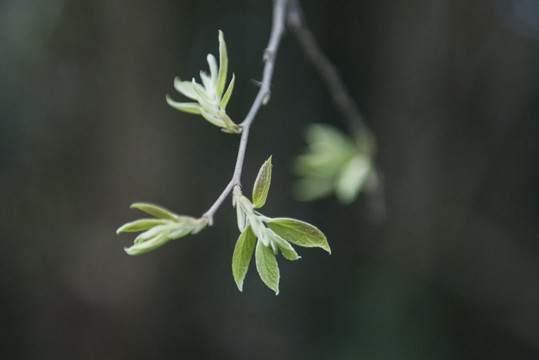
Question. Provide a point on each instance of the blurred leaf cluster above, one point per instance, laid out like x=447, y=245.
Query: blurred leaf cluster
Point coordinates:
x=335, y=163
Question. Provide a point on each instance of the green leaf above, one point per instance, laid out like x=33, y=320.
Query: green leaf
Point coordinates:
x=267, y=267
x=241, y=217
x=154, y=210
x=213, y=68
x=228, y=93
x=203, y=99
x=299, y=233
x=153, y=232
x=262, y=184
x=145, y=246
x=181, y=230
x=206, y=81
x=188, y=107
x=223, y=65
x=286, y=249
x=229, y=124
x=212, y=118
x=309, y=189
x=140, y=225
x=352, y=178
x=243, y=251
x=185, y=88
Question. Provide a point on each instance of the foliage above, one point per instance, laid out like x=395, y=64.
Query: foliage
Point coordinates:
x=211, y=100
x=334, y=163
x=259, y=234
x=273, y=235
x=158, y=231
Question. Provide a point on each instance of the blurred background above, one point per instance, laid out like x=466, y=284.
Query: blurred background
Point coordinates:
x=451, y=91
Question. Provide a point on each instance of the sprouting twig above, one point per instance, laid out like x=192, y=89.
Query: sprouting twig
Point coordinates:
x=279, y=11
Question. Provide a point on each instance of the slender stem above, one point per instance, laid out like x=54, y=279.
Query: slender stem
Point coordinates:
x=342, y=99
x=262, y=98
x=326, y=70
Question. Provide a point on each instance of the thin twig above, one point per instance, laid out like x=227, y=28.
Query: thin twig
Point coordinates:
x=340, y=95
x=262, y=98
x=325, y=70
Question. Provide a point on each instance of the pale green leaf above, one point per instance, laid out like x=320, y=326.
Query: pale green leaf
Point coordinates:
x=286, y=249
x=267, y=267
x=259, y=229
x=185, y=88
x=213, y=68
x=228, y=93
x=262, y=184
x=206, y=81
x=146, y=246
x=215, y=120
x=223, y=65
x=188, y=107
x=155, y=210
x=324, y=136
x=229, y=124
x=203, y=99
x=243, y=251
x=241, y=217
x=312, y=188
x=328, y=151
x=299, y=233
x=153, y=232
x=352, y=178
x=181, y=230
x=140, y=225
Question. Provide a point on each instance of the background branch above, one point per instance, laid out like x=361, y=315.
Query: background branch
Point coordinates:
x=342, y=99
x=327, y=72
x=262, y=98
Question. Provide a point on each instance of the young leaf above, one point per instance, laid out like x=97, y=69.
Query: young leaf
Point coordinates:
x=157, y=211
x=180, y=231
x=243, y=251
x=142, y=247
x=223, y=65
x=262, y=184
x=286, y=249
x=206, y=81
x=188, y=107
x=267, y=267
x=299, y=233
x=352, y=178
x=213, y=68
x=140, y=225
x=228, y=93
x=308, y=189
x=185, y=88
x=241, y=217
x=212, y=118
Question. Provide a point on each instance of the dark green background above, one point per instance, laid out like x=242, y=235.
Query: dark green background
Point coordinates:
x=451, y=90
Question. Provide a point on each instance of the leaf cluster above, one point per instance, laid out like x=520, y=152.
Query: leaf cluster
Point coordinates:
x=266, y=237
x=157, y=231
x=334, y=163
x=210, y=96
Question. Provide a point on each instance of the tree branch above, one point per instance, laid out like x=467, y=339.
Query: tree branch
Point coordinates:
x=262, y=98
x=342, y=99
x=326, y=70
